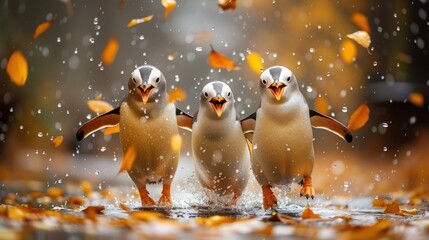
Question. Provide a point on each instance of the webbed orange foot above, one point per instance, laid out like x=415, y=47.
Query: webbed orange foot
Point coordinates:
x=165, y=199
x=307, y=189
x=145, y=198
x=269, y=199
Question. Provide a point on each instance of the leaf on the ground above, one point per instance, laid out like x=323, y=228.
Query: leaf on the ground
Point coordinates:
x=227, y=4
x=110, y=51
x=214, y=221
x=86, y=188
x=348, y=51
x=112, y=130
x=417, y=99
x=359, y=117
x=56, y=142
x=377, y=202
x=128, y=160
x=218, y=60
x=146, y=215
x=92, y=212
x=309, y=214
x=99, y=106
x=75, y=201
x=321, y=105
x=375, y=231
x=136, y=21
x=54, y=192
x=361, y=21
x=169, y=5
x=124, y=207
x=17, y=68
x=286, y=219
x=41, y=28
x=254, y=60
x=361, y=37
x=176, y=94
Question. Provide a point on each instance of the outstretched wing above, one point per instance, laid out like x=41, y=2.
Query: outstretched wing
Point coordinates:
x=108, y=119
x=319, y=120
x=184, y=120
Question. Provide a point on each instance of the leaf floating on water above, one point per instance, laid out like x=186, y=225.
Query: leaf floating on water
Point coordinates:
x=109, y=52
x=348, y=51
x=17, y=68
x=129, y=158
x=112, y=130
x=254, y=60
x=146, y=215
x=176, y=143
x=75, y=201
x=41, y=28
x=359, y=117
x=169, y=5
x=56, y=142
x=361, y=21
x=214, y=221
x=92, y=212
x=321, y=105
x=99, y=106
x=309, y=214
x=218, y=60
x=227, y=4
x=176, y=94
x=361, y=37
x=417, y=99
x=139, y=20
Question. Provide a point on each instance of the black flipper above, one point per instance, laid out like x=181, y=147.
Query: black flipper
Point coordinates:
x=319, y=120
x=248, y=126
x=108, y=119
x=184, y=120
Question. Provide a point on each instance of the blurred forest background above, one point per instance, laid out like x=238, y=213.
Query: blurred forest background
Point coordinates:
x=390, y=153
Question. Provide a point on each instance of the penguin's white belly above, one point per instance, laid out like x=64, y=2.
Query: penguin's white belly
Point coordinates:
x=222, y=163
x=155, y=160
x=282, y=152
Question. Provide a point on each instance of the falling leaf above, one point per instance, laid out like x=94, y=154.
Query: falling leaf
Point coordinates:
x=86, y=188
x=56, y=142
x=417, y=99
x=359, y=117
x=176, y=143
x=218, y=60
x=112, y=130
x=54, y=192
x=227, y=4
x=129, y=158
x=99, y=106
x=361, y=21
x=169, y=6
x=309, y=214
x=254, y=61
x=69, y=7
x=321, y=105
x=348, y=51
x=75, y=201
x=122, y=3
x=214, y=221
x=17, y=68
x=124, y=207
x=361, y=37
x=139, y=20
x=109, y=52
x=41, y=28
x=176, y=94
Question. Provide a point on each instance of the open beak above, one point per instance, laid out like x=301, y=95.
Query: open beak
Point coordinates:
x=218, y=105
x=146, y=92
x=277, y=89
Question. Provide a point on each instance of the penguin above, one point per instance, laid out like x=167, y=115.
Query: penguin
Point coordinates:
x=148, y=121
x=282, y=137
x=220, y=150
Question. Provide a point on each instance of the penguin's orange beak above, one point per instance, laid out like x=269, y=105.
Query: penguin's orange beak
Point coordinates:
x=146, y=92
x=218, y=105
x=277, y=89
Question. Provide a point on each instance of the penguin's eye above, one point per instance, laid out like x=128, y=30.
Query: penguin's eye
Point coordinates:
x=157, y=80
x=134, y=80
x=206, y=94
x=229, y=94
x=264, y=82
x=288, y=79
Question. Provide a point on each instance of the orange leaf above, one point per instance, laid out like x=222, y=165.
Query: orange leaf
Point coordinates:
x=109, y=52
x=112, y=130
x=361, y=37
x=91, y=212
x=129, y=158
x=379, y=202
x=17, y=68
x=309, y=214
x=176, y=143
x=393, y=208
x=55, y=192
x=227, y=4
x=99, y=106
x=218, y=60
x=86, y=187
x=41, y=28
x=348, y=51
x=75, y=201
x=214, y=221
x=254, y=60
x=146, y=215
x=124, y=207
x=176, y=94
x=56, y=142
x=417, y=99
x=122, y=3
x=321, y=105
x=169, y=6
x=361, y=21
x=359, y=117
x=139, y=20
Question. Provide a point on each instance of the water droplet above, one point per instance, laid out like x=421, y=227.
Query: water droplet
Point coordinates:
x=344, y=109
x=91, y=40
x=199, y=49
x=102, y=149
x=384, y=149
x=375, y=63
x=40, y=134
